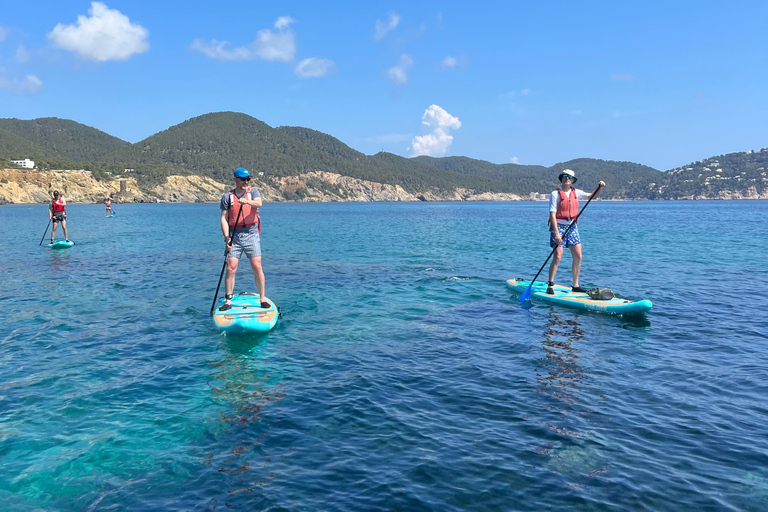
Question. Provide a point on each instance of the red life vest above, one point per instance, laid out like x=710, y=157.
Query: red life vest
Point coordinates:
x=250, y=215
x=57, y=206
x=108, y=203
x=568, y=207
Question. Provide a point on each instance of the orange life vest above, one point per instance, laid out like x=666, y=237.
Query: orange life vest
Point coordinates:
x=57, y=206
x=250, y=215
x=568, y=207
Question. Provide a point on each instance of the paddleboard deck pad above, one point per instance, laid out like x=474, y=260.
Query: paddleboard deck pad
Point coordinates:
x=563, y=296
x=246, y=315
x=61, y=244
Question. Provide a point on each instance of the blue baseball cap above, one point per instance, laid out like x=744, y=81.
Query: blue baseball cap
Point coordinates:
x=242, y=173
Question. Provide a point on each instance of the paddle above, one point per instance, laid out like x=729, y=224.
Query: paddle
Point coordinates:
x=46, y=231
x=527, y=294
x=224, y=266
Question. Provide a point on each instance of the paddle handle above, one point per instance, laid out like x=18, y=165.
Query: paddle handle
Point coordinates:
x=224, y=266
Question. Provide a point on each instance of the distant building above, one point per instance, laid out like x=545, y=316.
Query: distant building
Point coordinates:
x=261, y=174
x=129, y=170
x=24, y=164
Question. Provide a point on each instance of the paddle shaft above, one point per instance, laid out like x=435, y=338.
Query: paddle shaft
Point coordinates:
x=224, y=266
x=45, y=232
x=573, y=223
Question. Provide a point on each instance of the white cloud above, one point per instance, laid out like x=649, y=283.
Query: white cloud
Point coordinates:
x=399, y=74
x=278, y=45
x=437, y=142
x=106, y=35
x=315, y=68
x=283, y=22
x=382, y=28
x=514, y=160
x=28, y=85
x=449, y=62
x=22, y=54
x=623, y=77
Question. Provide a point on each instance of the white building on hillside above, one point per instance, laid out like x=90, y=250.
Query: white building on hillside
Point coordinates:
x=24, y=164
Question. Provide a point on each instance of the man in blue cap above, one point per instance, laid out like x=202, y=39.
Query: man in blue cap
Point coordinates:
x=239, y=215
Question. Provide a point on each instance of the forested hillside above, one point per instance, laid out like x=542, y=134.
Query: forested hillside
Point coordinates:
x=212, y=145
x=61, y=138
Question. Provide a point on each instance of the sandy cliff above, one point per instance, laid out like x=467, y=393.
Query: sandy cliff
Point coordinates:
x=32, y=186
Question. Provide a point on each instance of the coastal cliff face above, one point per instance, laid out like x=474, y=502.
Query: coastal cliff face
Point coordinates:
x=18, y=186
x=32, y=186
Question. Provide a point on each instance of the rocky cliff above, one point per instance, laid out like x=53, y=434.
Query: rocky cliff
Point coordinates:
x=32, y=186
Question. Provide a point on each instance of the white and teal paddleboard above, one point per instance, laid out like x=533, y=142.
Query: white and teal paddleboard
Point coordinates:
x=61, y=244
x=563, y=296
x=246, y=315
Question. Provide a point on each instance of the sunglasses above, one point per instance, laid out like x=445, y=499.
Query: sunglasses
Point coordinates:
x=243, y=179
x=566, y=177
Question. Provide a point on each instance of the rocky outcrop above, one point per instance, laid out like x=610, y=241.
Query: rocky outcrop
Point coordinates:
x=32, y=186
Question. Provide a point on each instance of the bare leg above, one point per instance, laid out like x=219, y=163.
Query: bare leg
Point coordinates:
x=576, y=253
x=64, y=227
x=258, y=275
x=229, y=281
x=53, y=231
x=555, y=262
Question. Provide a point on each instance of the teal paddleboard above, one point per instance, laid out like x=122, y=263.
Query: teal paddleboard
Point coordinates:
x=61, y=244
x=563, y=296
x=246, y=315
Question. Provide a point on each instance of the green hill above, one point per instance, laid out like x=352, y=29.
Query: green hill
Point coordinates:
x=626, y=179
x=59, y=138
x=16, y=147
x=213, y=144
x=743, y=172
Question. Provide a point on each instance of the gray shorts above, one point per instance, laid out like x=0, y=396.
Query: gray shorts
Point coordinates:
x=245, y=242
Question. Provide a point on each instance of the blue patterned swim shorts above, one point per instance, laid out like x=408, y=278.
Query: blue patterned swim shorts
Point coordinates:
x=570, y=240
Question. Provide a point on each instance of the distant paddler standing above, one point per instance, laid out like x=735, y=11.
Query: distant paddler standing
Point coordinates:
x=239, y=214
x=57, y=212
x=108, y=204
x=563, y=209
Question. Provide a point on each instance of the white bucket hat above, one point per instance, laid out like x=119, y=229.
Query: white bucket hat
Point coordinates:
x=569, y=173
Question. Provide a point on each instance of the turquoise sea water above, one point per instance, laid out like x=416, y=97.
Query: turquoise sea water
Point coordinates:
x=403, y=374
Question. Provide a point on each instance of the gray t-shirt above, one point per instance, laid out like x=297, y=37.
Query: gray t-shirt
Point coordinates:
x=226, y=201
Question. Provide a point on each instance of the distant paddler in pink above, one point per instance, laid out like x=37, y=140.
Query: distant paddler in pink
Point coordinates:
x=563, y=209
x=241, y=228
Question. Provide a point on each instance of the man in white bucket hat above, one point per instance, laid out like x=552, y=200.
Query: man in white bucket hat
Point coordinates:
x=563, y=209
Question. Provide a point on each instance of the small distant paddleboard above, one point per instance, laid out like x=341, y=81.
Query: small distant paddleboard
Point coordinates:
x=563, y=296
x=112, y=215
x=61, y=244
x=246, y=315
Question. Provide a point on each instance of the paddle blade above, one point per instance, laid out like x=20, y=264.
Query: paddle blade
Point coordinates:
x=526, y=296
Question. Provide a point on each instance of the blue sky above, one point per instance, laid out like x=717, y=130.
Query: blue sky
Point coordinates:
x=657, y=83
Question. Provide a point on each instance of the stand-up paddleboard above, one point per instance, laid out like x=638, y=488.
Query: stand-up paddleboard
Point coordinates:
x=112, y=215
x=61, y=244
x=246, y=315
x=563, y=296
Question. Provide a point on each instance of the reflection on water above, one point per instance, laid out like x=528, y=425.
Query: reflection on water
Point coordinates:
x=560, y=375
x=241, y=382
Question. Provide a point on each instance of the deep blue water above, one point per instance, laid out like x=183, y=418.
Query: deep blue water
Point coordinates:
x=403, y=374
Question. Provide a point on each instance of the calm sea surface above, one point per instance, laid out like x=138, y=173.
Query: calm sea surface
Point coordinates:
x=403, y=374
